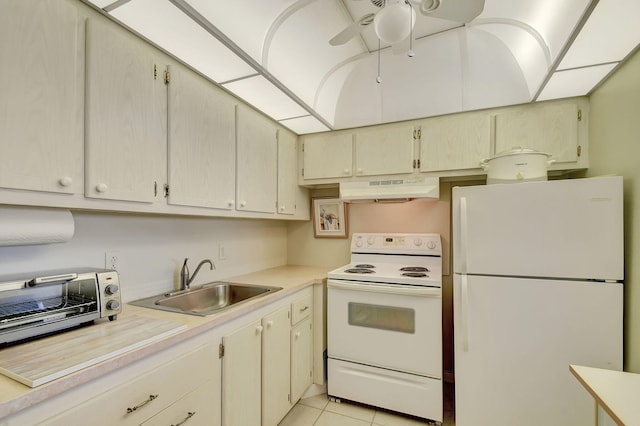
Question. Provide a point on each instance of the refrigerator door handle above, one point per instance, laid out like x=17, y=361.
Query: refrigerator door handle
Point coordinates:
x=463, y=236
x=464, y=312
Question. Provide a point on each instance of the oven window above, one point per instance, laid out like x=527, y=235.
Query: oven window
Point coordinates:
x=390, y=318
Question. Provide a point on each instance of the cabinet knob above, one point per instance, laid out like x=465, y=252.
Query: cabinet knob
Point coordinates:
x=347, y=171
x=269, y=323
x=360, y=170
x=259, y=329
x=243, y=203
x=297, y=334
x=231, y=203
x=282, y=208
x=65, y=181
x=102, y=187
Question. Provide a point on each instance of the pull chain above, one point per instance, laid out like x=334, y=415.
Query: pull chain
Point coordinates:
x=379, y=78
x=410, y=53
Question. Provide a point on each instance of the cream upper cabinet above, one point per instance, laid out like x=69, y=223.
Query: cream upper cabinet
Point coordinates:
x=327, y=155
x=384, y=150
x=454, y=142
x=287, y=171
x=550, y=127
x=257, y=161
x=42, y=101
x=275, y=366
x=126, y=109
x=201, y=152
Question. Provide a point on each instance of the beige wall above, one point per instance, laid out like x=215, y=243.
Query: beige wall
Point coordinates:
x=615, y=149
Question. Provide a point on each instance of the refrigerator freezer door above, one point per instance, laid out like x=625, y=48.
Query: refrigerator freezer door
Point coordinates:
x=515, y=339
x=562, y=229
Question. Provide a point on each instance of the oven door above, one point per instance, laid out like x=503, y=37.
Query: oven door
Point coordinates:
x=390, y=326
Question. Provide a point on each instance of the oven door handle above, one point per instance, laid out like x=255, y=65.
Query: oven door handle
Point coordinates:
x=404, y=290
x=51, y=279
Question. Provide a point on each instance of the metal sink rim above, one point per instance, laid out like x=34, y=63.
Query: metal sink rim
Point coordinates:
x=152, y=302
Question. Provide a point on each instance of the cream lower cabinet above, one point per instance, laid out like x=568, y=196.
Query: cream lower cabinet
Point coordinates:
x=173, y=389
x=276, y=366
x=301, y=347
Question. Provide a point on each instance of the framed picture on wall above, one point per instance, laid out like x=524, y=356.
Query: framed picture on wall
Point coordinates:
x=329, y=218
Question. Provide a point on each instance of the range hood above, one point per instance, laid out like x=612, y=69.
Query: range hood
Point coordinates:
x=392, y=190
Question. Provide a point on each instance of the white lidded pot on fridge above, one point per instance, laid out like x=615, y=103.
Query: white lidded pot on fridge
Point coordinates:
x=517, y=165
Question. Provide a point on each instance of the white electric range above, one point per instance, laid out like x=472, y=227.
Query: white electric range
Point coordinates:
x=384, y=320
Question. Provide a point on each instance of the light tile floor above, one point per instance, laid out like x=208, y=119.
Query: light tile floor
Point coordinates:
x=319, y=411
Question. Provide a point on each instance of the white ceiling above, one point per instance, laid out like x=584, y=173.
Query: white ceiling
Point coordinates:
x=275, y=54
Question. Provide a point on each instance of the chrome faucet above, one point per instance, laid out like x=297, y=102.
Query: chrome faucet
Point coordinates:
x=185, y=280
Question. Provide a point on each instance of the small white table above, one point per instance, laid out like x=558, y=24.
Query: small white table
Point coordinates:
x=617, y=392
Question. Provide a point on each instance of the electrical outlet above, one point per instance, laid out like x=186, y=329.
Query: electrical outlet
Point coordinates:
x=112, y=260
x=221, y=252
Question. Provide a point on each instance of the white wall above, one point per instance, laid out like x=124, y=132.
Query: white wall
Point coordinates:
x=152, y=249
x=615, y=149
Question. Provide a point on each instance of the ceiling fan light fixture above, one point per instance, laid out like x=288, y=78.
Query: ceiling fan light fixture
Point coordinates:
x=394, y=22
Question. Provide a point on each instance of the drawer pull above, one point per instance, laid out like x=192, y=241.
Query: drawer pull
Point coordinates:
x=151, y=398
x=189, y=415
x=304, y=309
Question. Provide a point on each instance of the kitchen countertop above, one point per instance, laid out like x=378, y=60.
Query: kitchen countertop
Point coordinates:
x=615, y=391
x=15, y=396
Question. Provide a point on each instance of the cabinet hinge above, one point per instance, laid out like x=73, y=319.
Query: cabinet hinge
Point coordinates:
x=155, y=188
x=416, y=164
x=417, y=133
x=303, y=172
x=155, y=72
x=167, y=77
x=579, y=115
x=221, y=351
x=166, y=190
x=579, y=150
x=302, y=146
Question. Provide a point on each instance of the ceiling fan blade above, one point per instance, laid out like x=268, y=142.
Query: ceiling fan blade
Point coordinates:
x=352, y=30
x=454, y=10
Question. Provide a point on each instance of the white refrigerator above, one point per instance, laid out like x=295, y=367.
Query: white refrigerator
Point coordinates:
x=538, y=271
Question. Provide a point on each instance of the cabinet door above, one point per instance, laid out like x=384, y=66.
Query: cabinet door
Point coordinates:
x=42, y=86
x=551, y=128
x=301, y=359
x=384, y=151
x=454, y=142
x=287, y=172
x=257, y=162
x=275, y=366
x=126, y=103
x=327, y=155
x=202, y=142
x=241, y=376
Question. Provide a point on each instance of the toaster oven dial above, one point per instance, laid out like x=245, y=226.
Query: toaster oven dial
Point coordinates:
x=111, y=289
x=113, y=305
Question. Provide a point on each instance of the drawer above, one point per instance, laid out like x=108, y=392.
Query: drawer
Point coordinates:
x=142, y=397
x=194, y=409
x=301, y=309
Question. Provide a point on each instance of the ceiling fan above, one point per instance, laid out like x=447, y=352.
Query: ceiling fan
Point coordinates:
x=396, y=18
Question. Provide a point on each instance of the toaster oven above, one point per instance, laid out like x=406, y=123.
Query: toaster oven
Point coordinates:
x=32, y=305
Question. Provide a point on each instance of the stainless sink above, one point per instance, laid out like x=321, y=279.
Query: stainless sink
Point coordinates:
x=206, y=300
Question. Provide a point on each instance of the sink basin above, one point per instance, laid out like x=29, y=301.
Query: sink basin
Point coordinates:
x=206, y=300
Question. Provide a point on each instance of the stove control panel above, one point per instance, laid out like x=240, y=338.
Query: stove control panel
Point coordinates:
x=396, y=243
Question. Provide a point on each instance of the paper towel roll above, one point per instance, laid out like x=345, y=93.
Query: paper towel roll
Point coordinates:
x=29, y=226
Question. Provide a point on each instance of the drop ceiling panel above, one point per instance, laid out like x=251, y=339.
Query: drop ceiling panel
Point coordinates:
x=164, y=24
x=266, y=97
x=246, y=22
x=304, y=125
x=612, y=32
x=575, y=82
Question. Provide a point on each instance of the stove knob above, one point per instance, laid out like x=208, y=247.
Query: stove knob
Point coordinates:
x=431, y=245
x=417, y=242
x=371, y=240
x=113, y=305
x=111, y=289
x=359, y=243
